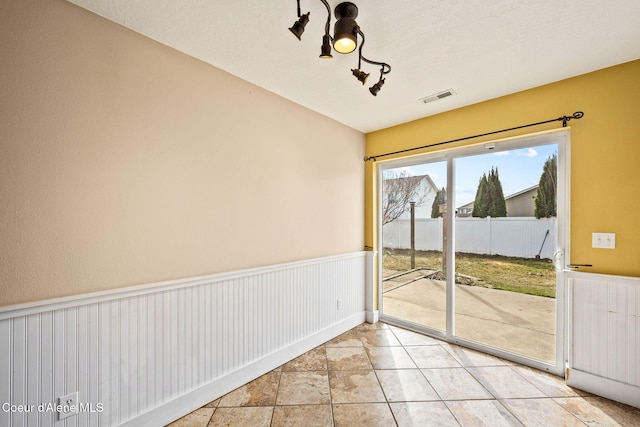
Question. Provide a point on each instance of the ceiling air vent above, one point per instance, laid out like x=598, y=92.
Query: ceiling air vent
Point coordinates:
x=437, y=96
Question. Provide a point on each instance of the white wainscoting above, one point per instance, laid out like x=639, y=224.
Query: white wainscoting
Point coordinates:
x=604, y=335
x=152, y=353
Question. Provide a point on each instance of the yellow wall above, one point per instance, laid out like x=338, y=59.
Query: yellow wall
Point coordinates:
x=124, y=162
x=605, y=154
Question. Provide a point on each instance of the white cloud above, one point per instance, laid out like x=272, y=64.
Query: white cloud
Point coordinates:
x=465, y=195
x=529, y=153
x=502, y=153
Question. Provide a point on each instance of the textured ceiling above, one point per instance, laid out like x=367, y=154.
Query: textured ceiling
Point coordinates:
x=480, y=49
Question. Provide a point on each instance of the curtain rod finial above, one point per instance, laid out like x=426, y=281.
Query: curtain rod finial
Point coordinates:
x=576, y=115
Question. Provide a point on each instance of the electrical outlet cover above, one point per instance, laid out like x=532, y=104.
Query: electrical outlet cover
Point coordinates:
x=67, y=405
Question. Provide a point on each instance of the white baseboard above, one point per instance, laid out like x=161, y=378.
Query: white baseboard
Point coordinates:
x=604, y=387
x=197, y=398
x=372, y=316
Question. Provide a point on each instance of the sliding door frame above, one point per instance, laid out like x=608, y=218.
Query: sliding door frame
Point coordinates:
x=562, y=139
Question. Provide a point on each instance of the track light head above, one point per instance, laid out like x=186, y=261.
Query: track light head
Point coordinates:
x=325, y=50
x=345, y=29
x=298, y=27
x=376, y=87
x=360, y=75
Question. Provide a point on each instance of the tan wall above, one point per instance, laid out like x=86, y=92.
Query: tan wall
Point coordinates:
x=605, y=153
x=523, y=204
x=124, y=162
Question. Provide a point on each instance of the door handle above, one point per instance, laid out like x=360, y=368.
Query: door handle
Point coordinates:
x=579, y=265
x=558, y=259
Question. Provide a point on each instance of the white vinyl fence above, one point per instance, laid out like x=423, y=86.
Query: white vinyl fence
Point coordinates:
x=511, y=236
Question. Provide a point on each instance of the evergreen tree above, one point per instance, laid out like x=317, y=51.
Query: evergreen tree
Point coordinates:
x=480, y=204
x=546, y=202
x=489, y=197
x=441, y=198
x=497, y=205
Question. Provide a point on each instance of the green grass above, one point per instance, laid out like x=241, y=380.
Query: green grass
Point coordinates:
x=524, y=275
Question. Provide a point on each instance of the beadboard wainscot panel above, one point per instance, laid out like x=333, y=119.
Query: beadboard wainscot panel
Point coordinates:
x=147, y=355
x=604, y=335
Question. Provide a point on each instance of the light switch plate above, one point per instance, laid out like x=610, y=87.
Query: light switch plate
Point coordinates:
x=603, y=240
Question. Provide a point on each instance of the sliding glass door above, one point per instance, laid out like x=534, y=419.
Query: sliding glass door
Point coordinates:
x=470, y=253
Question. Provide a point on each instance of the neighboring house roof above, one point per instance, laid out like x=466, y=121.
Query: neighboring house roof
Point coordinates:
x=427, y=191
x=467, y=209
x=416, y=178
x=522, y=203
x=467, y=206
x=521, y=192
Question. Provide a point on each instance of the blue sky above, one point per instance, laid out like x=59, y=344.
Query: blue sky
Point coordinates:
x=518, y=169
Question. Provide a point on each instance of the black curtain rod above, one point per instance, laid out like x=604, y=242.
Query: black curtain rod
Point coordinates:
x=563, y=119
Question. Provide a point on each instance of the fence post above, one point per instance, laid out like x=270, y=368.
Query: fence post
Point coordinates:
x=490, y=234
x=413, y=234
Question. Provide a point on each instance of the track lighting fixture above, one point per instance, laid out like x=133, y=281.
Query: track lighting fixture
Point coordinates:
x=344, y=40
x=298, y=27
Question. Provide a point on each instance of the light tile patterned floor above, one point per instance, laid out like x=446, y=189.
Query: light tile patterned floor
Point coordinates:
x=379, y=375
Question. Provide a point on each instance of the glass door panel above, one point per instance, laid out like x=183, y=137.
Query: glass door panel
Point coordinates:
x=505, y=240
x=413, y=286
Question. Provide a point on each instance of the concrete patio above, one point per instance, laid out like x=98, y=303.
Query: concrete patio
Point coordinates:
x=519, y=323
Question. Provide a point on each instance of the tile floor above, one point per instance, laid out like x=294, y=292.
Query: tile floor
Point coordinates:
x=380, y=375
